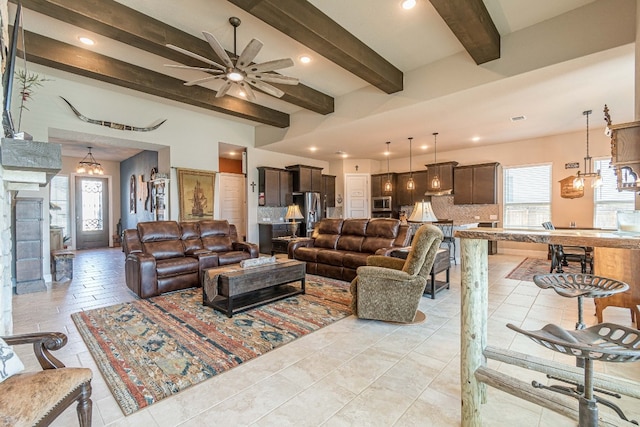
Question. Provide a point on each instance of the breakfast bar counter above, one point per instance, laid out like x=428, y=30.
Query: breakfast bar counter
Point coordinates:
x=474, y=296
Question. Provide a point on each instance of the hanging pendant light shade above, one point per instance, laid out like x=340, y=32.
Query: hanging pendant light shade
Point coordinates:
x=387, y=185
x=435, y=182
x=595, y=177
x=89, y=165
x=410, y=184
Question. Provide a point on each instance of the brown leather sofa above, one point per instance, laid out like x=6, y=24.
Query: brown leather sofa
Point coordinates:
x=165, y=256
x=338, y=247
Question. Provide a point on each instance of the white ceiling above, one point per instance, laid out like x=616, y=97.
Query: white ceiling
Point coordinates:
x=552, y=98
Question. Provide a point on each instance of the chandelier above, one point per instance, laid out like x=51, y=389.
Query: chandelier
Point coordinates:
x=89, y=165
x=435, y=182
x=387, y=185
x=596, y=178
x=410, y=184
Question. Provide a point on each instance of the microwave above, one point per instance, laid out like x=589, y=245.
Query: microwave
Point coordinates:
x=381, y=204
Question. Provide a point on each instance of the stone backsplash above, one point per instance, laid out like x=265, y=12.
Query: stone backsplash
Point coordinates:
x=272, y=214
x=444, y=208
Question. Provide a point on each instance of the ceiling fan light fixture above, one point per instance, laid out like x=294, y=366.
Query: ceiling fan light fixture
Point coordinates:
x=235, y=75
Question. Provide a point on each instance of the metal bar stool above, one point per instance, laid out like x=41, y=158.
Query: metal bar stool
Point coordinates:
x=606, y=342
x=447, y=229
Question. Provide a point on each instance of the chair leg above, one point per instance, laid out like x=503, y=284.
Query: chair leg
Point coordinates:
x=85, y=406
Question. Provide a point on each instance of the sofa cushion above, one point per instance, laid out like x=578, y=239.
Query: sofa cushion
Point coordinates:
x=327, y=241
x=355, y=227
x=307, y=254
x=328, y=226
x=217, y=243
x=383, y=227
x=164, y=249
x=232, y=257
x=354, y=259
x=372, y=244
x=331, y=257
x=176, y=266
x=154, y=231
x=349, y=243
x=213, y=227
x=191, y=237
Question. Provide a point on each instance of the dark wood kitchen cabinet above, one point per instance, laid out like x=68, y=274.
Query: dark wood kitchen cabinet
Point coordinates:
x=328, y=192
x=409, y=197
x=475, y=184
x=274, y=187
x=378, y=182
x=306, y=178
x=444, y=171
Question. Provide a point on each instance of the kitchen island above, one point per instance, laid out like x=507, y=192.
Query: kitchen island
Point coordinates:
x=474, y=303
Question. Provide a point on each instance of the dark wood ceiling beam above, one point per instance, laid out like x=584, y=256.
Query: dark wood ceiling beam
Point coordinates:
x=305, y=23
x=116, y=21
x=472, y=25
x=62, y=56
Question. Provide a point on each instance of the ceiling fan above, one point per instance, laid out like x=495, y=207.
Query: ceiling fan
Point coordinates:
x=239, y=71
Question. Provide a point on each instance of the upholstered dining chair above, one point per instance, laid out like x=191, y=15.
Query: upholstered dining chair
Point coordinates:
x=390, y=288
x=37, y=398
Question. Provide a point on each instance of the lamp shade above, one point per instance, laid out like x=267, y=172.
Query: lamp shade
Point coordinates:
x=422, y=212
x=293, y=212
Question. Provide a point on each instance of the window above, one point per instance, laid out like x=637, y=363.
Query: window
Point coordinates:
x=59, y=204
x=527, y=196
x=607, y=199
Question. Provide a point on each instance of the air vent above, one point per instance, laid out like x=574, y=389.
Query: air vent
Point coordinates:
x=518, y=118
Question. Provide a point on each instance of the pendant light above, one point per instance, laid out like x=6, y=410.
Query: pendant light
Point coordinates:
x=89, y=165
x=387, y=185
x=596, y=178
x=435, y=182
x=410, y=184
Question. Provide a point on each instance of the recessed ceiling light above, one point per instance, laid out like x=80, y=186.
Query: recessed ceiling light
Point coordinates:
x=232, y=153
x=424, y=147
x=408, y=4
x=475, y=139
x=87, y=41
x=313, y=149
x=305, y=59
x=341, y=153
x=518, y=118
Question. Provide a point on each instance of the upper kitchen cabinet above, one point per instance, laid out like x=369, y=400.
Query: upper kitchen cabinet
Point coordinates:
x=306, y=178
x=475, y=184
x=409, y=197
x=444, y=171
x=378, y=182
x=274, y=187
x=625, y=154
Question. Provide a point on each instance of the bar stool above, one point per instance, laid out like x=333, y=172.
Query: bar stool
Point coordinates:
x=447, y=229
x=580, y=285
x=606, y=342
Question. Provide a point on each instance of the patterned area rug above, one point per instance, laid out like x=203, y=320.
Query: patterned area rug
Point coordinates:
x=532, y=266
x=151, y=349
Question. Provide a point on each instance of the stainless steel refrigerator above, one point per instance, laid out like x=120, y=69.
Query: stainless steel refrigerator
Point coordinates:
x=311, y=207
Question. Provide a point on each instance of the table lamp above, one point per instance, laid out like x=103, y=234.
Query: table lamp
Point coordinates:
x=422, y=212
x=293, y=213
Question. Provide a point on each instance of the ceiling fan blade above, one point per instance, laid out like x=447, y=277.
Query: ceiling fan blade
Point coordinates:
x=194, y=55
x=187, y=67
x=218, y=49
x=224, y=89
x=275, y=78
x=266, y=87
x=250, y=94
x=203, y=80
x=249, y=53
x=276, y=64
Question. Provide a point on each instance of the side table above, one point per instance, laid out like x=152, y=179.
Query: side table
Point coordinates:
x=280, y=245
x=441, y=263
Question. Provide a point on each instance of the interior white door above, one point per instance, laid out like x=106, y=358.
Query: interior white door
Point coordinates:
x=233, y=201
x=356, y=195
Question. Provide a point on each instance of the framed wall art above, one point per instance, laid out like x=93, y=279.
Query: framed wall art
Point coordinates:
x=195, y=194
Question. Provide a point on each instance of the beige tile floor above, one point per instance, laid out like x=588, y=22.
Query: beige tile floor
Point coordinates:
x=351, y=373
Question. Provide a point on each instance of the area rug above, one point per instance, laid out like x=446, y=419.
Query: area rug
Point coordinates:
x=532, y=266
x=151, y=349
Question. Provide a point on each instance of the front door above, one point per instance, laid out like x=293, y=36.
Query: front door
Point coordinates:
x=92, y=212
x=356, y=195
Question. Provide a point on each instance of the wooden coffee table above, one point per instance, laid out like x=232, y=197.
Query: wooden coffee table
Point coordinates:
x=240, y=289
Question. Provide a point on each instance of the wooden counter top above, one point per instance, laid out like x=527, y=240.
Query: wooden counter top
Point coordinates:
x=572, y=237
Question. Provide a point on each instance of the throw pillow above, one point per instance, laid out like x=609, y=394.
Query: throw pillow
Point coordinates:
x=10, y=364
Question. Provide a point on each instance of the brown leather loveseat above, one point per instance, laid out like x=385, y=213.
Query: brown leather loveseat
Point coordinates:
x=165, y=256
x=339, y=246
